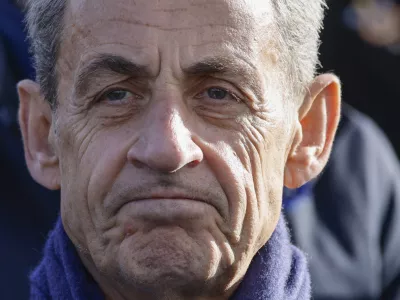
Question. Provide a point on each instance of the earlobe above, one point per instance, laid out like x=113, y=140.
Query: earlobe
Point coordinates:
x=35, y=118
x=315, y=131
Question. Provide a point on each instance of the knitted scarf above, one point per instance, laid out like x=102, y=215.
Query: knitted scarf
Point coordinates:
x=278, y=272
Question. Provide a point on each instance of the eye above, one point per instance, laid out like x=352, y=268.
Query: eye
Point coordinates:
x=118, y=95
x=217, y=93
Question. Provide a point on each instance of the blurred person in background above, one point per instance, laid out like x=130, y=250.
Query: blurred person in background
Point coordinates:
x=361, y=44
x=348, y=219
x=357, y=256
x=376, y=21
x=27, y=210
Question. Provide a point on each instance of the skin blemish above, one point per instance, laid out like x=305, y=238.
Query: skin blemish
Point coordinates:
x=129, y=230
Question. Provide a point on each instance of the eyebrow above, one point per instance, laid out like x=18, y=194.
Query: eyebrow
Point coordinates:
x=106, y=65
x=217, y=65
x=234, y=67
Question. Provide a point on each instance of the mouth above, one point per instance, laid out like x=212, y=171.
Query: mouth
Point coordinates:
x=172, y=201
x=181, y=212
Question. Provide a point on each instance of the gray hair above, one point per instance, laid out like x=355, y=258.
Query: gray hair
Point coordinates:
x=44, y=19
x=298, y=22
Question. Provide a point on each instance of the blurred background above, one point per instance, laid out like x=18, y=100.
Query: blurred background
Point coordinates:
x=361, y=44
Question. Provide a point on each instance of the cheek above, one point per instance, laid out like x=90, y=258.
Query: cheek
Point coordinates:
x=232, y=177
x=262, y=151
x=248, y=161
x=91, y=161
x=109, y=157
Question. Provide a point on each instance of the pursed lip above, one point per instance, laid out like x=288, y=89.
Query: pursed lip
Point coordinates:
x=177, y=194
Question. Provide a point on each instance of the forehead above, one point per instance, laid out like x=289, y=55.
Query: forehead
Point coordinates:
x=171, y=15
x=151, y=27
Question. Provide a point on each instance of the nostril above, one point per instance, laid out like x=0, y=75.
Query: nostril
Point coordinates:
x=194, y=163
x=138, y=164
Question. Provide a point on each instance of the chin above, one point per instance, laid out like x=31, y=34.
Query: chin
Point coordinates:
x=168, y=259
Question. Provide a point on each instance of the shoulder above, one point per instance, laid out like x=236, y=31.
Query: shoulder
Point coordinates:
x=362, y=149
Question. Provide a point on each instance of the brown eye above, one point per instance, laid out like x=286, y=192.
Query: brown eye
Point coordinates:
x=217, y=93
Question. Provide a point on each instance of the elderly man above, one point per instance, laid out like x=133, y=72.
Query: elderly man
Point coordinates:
x=170, y=128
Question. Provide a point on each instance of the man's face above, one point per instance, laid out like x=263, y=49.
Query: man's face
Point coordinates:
x=172, y=139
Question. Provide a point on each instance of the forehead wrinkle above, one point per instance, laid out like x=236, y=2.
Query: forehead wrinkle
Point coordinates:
x=92, y=53
x=160, y=27
x=231, y=23
x=162, y=15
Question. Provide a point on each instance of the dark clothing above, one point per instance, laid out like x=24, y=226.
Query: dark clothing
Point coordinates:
x=15, y=62
x=369, y=74
x=14, y=36
x=278, y=272
x=349, y=225
x=27, y=210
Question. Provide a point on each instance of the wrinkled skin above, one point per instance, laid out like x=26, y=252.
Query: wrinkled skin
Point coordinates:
x=171, y=171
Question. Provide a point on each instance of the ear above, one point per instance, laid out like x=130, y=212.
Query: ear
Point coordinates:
x=318, y=119
x=35, y=117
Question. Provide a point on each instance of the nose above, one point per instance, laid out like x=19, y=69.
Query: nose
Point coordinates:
x=166, y=143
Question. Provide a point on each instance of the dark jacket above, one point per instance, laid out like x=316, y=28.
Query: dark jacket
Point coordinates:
x=349, y=223
x=369, y=74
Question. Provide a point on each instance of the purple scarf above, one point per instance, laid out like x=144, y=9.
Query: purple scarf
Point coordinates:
x=278, y=272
